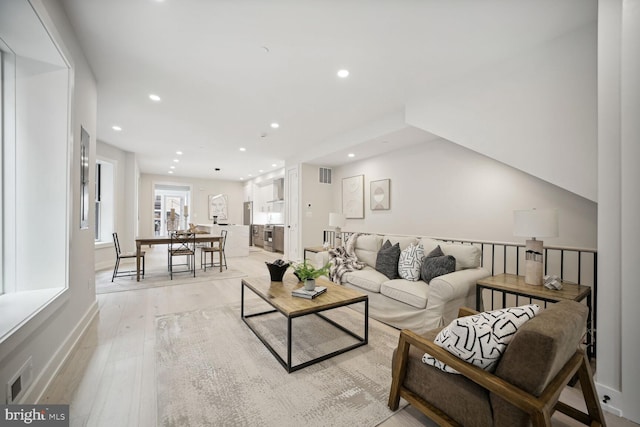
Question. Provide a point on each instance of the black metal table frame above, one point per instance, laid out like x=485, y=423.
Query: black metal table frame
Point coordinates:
x=287, y=364
x=480, y=287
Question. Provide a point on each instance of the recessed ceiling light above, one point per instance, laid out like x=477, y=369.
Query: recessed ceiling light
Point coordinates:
x=172, y=167
x=275, y=125
x=343, y=73
x=273, y=165
x=154, y=97
x=176, y=160
x=351, y=155
x=243, y=149
x=250, y=174
x=170, y=171
x=179, y=153
x=241, y=179
x=260, y=170
x=116, y=128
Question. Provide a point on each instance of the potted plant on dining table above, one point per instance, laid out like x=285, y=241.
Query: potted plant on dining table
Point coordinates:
x=308, y=274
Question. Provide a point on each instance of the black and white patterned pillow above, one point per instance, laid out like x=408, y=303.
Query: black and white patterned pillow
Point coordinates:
x=481, y=339
x=410, y=262
x=387, y=260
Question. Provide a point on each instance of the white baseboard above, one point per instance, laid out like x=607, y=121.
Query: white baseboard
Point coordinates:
x=609, y=399
x=104, y=265
x=36, y=392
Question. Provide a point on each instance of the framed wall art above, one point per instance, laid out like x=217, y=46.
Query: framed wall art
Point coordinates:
x=353, y=196
x=218, y=208
x=85, y=140
x=379, y=196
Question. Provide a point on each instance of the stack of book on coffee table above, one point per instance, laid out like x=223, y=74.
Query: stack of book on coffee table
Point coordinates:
x=302, y=293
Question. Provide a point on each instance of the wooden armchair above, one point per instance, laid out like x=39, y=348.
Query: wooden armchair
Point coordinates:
x=524, y=389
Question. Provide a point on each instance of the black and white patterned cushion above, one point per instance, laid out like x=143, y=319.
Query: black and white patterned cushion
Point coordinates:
x=387, y=260
x=481, y=339
x=410, y=262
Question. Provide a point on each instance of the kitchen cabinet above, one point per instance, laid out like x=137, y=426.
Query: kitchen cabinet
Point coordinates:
x=258, y=235
x=278, y=238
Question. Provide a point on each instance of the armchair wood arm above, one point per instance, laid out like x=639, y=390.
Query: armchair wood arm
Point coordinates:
x=539, y=408
x=466, y=311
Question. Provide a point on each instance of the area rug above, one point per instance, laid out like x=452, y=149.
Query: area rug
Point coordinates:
x=212, y=370
x=159, y=277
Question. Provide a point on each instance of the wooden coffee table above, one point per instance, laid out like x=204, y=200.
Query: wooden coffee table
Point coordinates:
x=278, y=295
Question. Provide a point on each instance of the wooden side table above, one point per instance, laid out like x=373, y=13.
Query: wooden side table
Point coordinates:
x=511, y=284
x=314, y=249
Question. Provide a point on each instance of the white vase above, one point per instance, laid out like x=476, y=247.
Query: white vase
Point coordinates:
x=309, y=284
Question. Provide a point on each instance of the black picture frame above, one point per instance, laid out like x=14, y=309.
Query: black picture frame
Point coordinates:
x=85, y=141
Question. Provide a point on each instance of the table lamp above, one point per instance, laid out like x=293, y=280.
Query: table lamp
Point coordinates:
x=337, y=220
x=535, y=223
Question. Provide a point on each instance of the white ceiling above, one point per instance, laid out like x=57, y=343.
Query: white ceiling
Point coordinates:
x=221, y=89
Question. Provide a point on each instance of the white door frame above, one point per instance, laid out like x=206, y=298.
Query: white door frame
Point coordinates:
x=292, y=203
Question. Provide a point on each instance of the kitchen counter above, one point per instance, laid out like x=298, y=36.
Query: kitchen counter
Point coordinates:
x=237, y=238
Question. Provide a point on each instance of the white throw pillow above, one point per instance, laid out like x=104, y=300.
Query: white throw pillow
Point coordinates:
x=410, y=262
x=481, y=339
x=467, y=256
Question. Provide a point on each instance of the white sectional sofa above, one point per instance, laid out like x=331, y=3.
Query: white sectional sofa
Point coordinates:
x=408, y=304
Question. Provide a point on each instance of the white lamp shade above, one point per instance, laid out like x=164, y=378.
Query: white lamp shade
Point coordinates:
x=535, y=223
x=336, y=220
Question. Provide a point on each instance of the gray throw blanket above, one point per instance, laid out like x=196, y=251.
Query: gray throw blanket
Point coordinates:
x=343, y=259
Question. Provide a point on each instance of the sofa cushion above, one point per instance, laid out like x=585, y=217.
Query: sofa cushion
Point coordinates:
x=368, y=279
x=403, y=241
x=387, y=259
x=481, y=339
x=367, y=247
x=437, y=251
x=410, y=262
x=428, y=244
x=467, y=256
x=436, y=264
x=413, y=293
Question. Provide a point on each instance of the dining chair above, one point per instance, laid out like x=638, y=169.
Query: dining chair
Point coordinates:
x=182, y=244
x=215, y=247
x=124, y=255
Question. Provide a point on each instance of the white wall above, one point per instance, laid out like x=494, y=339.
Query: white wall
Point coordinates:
x=49, y=335
x=125, y=203
x=316, y=201
x=40, y=87
x=536, y=112
x=441, y=189
x=200, y=191
x=618, y=340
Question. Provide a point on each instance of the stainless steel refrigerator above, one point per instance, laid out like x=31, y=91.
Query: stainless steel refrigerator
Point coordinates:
x=247, y=218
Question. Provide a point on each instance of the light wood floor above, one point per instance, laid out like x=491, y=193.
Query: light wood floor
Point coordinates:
x=109, y=379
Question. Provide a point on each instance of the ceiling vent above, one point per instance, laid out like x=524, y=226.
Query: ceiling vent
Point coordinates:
x=325, y=175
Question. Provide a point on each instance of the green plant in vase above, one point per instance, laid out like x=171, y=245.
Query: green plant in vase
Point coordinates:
x=308, y=274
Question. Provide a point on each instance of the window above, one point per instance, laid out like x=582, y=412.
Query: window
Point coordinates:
x=104, y=201
x=170, y=200
x=34, y=167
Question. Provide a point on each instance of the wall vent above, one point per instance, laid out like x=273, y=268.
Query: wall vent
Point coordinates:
x=20, y=382
x=325, y=175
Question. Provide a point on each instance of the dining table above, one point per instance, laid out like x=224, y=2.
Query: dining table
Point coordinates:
x=165, y=240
